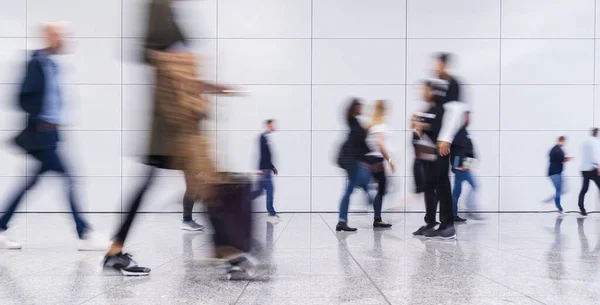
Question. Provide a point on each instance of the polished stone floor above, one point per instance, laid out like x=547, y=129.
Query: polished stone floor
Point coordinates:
x=504, y=259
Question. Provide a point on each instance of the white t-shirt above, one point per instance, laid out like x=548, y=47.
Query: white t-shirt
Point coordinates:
x=372, y=134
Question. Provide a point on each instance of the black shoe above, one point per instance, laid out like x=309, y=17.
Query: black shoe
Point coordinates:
x=442, y=233
x=583, y=213
x=426, y=228
x=459, y=219
x=125, y=264
x=381, y=224
x=342, y=226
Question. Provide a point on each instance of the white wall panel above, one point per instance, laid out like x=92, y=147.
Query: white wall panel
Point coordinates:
x=547, y=19
x=12, y=18
x=264, y=61
x=358, y=61
x=92, y=107
x=289, y=105
x=522, y=105
x=547, y=61
x=453, y=19
x=86, y=18
x=359, y=19
x=264, y=19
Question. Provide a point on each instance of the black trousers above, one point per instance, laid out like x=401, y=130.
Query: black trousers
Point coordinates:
x=437, y=187
x=419, y=175
x=587, y=176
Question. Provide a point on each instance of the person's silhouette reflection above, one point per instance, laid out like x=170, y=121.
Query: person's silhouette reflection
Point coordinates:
x=555, y=261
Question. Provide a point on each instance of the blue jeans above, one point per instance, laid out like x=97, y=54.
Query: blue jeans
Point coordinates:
x=50, y=161
x=356, y=177
x=459, y=178
x=266, y=184
x=557, y=181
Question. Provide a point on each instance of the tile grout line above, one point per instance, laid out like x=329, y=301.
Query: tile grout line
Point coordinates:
x=355, y=261
x=499, y=105
x=311, y=105
x=405, y=196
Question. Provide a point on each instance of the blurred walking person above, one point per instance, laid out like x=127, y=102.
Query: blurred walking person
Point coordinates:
x=352, y=158
x=267, y=169
x=439, y=124
x=376, y=158
x=176, y=142
x=557, y=160
x=462, y=156
x=590, y=167
x=41, y=98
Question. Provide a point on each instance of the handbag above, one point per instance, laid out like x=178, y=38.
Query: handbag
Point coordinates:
x=345, y=158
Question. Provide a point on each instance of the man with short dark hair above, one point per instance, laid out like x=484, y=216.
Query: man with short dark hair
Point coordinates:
x=267, y=169
x=557, y=160
x=590, y=167
x=452, y=87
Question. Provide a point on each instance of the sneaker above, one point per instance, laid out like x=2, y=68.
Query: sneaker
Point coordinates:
x=125, y=264
x=424, y=229
x=381, y=224
x=6, y=243
x=583, y=213
x=442, y=233
x=191, y=225
x=459, y=219
x=91, y=242
x=273, y=218
x=343, y=226
x=561, y=213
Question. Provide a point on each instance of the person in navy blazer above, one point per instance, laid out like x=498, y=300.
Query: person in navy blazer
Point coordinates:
x=40, y=98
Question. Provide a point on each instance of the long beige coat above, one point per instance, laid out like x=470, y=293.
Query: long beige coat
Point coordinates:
x=179, y=107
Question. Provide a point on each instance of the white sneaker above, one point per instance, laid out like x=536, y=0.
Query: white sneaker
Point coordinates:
x=6, y=243
x=91, y=242
x=273, y=219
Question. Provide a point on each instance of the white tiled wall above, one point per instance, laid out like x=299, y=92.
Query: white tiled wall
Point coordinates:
x=529, y=71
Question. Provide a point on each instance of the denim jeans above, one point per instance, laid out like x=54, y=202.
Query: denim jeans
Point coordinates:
x=266, y=184
x=459, y=178
x=355, y=178
x=50, y=161
x=557, y=181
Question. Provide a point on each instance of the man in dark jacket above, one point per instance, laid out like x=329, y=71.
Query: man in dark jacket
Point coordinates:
x=267, y=169
x=40, y=97
x=557, y=159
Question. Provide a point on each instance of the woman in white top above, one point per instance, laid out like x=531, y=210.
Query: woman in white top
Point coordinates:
x=376, y=133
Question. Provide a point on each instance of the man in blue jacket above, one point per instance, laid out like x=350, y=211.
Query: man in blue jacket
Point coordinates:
x=40, y=97
x=267, y=169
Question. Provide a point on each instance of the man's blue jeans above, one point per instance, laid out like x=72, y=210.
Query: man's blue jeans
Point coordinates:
x=459, y=178
x=557, y=181
x=356, y=177
x=50, y=161
x=266, y=184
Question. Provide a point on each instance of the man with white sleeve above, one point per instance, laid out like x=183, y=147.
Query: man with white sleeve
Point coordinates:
x=590, y=169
